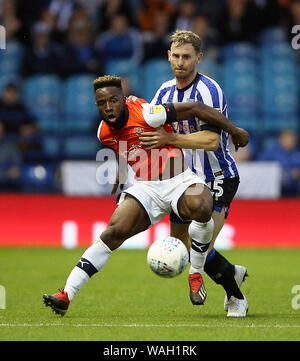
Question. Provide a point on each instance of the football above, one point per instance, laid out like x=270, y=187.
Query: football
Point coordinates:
x=168, y=257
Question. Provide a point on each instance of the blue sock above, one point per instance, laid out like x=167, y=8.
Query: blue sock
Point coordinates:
x=210, y=256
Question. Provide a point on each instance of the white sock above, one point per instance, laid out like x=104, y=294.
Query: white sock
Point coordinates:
x=92, y=261
x=75, y=281
x=201, y=234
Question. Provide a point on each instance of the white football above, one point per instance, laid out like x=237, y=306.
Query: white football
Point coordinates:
x=168, y=257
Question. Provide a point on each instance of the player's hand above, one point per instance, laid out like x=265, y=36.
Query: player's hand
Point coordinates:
x=155, y=139
x=116, y=185
x=240, y=138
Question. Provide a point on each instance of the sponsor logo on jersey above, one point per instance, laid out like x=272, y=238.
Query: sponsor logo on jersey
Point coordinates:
x=156, y=109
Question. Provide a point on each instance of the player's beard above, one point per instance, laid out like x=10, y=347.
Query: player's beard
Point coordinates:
x=120, y=121
x=183, y=74
x=187, y=72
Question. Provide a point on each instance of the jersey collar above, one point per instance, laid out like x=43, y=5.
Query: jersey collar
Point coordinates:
x=189, y=85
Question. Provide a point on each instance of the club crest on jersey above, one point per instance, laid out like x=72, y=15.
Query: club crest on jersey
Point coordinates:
x=138, y=130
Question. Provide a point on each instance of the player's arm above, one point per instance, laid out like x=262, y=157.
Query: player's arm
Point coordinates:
x=156, y=116
x=240, y=137
x=121, y=175
x=204, y=139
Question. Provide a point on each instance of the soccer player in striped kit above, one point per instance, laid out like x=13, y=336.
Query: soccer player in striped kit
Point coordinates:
x=205, y=149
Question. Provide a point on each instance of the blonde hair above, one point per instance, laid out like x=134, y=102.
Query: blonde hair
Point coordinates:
x=107, y=81
x=185, y=36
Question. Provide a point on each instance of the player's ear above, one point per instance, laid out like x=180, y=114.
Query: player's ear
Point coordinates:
x=200, y=56
x=169, y=55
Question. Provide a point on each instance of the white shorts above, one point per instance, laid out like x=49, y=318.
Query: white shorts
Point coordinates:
x=159, y=198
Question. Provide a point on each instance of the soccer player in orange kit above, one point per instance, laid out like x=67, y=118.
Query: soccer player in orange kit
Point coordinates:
x=165, y=183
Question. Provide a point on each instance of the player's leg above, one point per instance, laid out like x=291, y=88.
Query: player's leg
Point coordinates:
x=216, y=265
x=218, y=268
x=179, y=229
x=196, y=204
x=128, y=219
x=219, y=221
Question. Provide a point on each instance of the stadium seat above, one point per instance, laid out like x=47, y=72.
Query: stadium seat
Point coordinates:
x=282, y=50
x=272, y=35
x=51, y=146
x=280, y=92
x=11, y=58
x=279, y=121
x=42, y=95
x=209, y=68
x=6, y=78
x=269, y=141
x=81, y=146
x=79, y=106
x=247, y=119
x=37, y=178
x=125, y=68
x=280, y=89
x=279, y=66
x=154, y=73
x=279, y=100
x=238, y=50
x=240, y=84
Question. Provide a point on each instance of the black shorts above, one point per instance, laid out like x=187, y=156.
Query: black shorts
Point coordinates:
x=223, y=192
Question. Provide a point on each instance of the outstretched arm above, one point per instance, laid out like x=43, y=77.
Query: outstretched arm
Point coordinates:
x=204, y=139
x=156, y=116
x=240, y=137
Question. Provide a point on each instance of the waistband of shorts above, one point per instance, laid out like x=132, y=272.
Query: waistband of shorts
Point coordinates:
x=178, y=176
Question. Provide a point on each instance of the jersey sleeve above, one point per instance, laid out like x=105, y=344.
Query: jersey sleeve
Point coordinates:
x=99, y=131
x=211, y=128
x=158, y=115
x=219, y=103
x=155, y=101
x=134, y=99
x=224, y=106
x=154, y=115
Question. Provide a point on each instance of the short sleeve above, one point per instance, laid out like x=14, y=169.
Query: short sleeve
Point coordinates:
x=154, y=115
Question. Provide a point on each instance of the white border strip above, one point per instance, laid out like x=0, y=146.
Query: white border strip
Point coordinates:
x=134, y=325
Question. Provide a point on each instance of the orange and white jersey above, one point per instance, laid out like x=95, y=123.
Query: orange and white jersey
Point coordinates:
x=143, y=117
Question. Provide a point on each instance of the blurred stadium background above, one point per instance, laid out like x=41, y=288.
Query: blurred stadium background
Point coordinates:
x=55, y=49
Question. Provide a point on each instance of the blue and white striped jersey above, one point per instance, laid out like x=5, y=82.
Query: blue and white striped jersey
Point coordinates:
x=216, y=165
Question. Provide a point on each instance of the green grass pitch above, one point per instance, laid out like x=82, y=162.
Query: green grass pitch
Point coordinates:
x=127, y=302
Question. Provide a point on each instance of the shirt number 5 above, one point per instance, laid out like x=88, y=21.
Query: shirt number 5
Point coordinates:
x=216, y=188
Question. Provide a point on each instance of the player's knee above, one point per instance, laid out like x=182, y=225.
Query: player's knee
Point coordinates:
x=113, y=236
x=201, y=210
x=204, y=213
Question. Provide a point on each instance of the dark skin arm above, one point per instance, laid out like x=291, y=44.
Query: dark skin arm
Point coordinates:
x=120, y=177
x=116, y=185
x=186, y=110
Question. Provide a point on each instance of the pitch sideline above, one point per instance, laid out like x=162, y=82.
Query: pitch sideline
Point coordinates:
x=143, y=325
